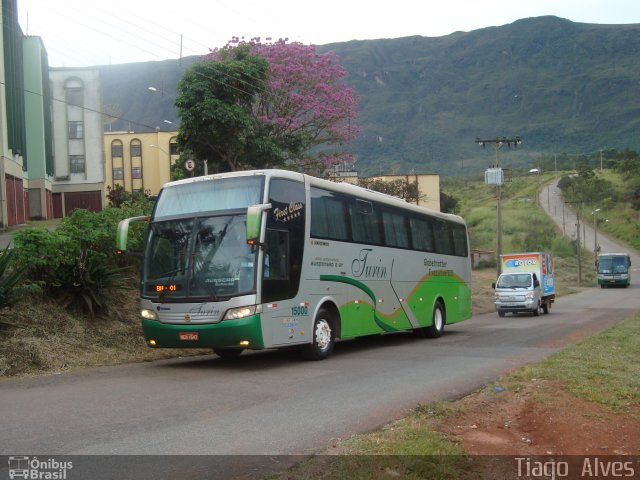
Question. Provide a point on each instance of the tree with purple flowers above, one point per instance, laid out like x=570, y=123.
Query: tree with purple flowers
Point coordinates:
x=259, y=105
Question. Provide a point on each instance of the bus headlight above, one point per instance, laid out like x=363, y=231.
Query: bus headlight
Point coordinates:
x=241, y=312
x=148, y=314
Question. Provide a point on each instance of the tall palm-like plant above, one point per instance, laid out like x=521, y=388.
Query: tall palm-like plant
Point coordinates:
x=12, y=287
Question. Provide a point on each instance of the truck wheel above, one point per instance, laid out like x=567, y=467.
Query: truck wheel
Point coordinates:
x=501, y=313
x=536, y=312
x=546, y=307
x=438, y=321
x=324, y=338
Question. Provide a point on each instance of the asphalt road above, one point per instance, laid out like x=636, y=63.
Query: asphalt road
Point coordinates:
x=271, y=404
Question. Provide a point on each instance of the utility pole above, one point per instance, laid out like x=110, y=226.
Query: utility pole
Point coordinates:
x=498, y=142
x=579, y=245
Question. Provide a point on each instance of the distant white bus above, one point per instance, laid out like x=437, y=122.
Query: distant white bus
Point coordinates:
x=272, y=258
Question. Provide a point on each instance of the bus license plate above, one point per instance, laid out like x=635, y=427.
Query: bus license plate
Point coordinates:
x=188, y=336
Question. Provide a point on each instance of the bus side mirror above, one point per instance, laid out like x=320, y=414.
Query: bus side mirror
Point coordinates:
x=254, y=223
x=493, y=285
x=122, y=234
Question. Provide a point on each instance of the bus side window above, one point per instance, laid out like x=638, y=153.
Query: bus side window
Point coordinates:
x=276, y=258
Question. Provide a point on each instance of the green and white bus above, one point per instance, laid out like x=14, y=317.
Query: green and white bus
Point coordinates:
x=613, y=269
x=273, y=259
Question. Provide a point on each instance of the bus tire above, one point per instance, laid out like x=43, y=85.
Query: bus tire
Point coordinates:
x=324, y=337
x=438, y=320
x=228, y=353
x=501, y=313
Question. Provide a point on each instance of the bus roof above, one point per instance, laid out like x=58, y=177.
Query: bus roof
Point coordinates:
x=339, y=187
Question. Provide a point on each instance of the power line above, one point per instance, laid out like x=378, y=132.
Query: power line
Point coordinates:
x=105, y=114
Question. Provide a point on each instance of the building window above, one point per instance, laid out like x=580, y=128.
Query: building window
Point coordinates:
x=77, y=163
x=74, y=96
x=136, y=148
x=136, y=172
x=118, y=174
x=173, y=148
x=76, y=130
x=116, y=149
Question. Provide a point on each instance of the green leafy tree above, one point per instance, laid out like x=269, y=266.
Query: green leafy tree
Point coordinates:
x=628, y=165
x=397, y=188
x=587, y=187
x=214, y=104
x=256, y=105
x=448, y=203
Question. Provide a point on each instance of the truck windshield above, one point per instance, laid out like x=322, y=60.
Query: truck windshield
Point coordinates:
x=202, y=258
x=516, y=280
x=613, y=265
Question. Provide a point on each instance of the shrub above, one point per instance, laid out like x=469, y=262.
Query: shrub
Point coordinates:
x=41, y=253
x=77, y=262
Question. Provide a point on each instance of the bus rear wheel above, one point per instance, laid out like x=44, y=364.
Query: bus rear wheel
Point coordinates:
x=438, y=320
x=324, y=338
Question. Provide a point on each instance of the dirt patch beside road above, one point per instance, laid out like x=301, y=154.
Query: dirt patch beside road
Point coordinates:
x=540, y=418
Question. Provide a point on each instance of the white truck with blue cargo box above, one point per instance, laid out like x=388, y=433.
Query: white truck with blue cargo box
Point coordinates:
x=526, y=283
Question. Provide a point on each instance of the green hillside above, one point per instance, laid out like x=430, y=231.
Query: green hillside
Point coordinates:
x=564, y=87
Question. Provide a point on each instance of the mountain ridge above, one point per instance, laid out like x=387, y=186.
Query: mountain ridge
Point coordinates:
x=564, y=87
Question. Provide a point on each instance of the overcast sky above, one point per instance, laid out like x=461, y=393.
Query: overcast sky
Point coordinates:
x=79, y=33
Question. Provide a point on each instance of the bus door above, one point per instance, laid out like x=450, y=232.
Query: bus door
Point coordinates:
x=282, y=265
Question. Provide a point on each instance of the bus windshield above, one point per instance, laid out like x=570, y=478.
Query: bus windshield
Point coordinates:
x=617, y=264
x=209, y=195
x=204, y=258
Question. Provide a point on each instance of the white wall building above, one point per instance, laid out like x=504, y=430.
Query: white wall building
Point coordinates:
x=78, y=140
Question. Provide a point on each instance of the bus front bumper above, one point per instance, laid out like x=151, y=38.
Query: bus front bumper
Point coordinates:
x=622, y=280
x=242, y=333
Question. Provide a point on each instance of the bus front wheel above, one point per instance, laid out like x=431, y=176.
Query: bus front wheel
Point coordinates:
x=438, y=321
x=324, y=338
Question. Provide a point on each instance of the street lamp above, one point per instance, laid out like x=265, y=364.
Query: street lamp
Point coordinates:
x=535, y=170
